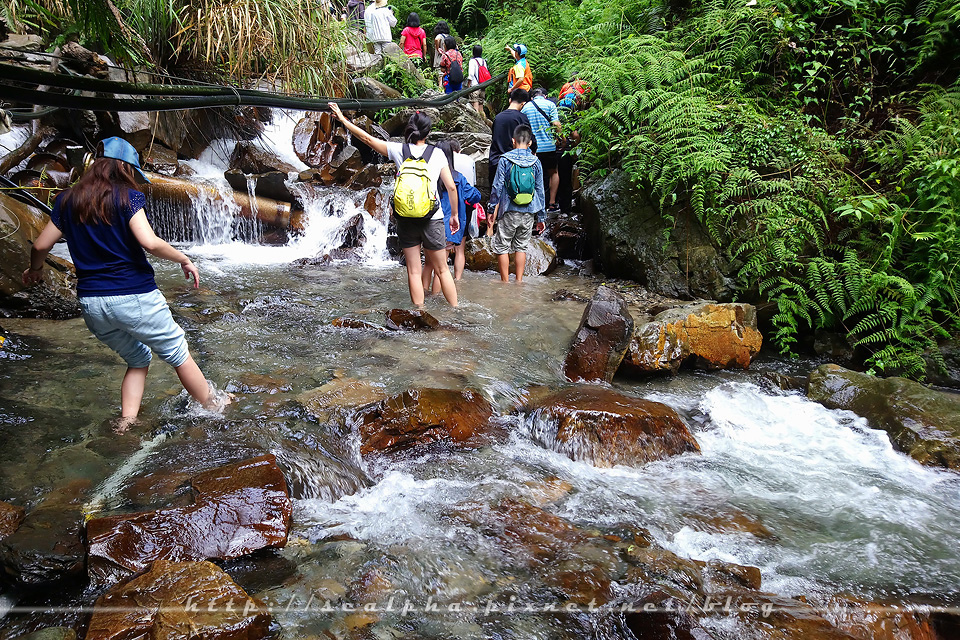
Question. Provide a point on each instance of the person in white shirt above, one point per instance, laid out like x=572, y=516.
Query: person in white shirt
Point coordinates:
x=477, y=98
x=379, y=20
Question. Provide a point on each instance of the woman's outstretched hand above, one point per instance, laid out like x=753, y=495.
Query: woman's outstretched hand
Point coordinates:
x=335, y=110
x=190, y=269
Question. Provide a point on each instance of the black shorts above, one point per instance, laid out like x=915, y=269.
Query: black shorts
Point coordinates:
x=429, y=233
x=548, y=159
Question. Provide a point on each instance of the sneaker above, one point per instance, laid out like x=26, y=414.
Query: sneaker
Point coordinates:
x=553, y=207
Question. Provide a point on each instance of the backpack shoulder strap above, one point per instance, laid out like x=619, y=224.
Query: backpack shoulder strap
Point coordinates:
x=427, y=153
x=406, y=151
x=533, y=101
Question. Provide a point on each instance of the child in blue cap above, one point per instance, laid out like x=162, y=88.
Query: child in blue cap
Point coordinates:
x=520, y=75
x=107, y=231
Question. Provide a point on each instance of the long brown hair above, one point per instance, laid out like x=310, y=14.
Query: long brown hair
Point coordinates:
x=95, y=196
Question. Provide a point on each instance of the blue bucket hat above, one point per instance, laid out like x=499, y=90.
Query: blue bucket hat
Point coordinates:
x=120, y=149
x=521, y=49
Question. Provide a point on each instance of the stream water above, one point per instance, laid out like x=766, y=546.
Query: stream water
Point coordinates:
x=832, y=508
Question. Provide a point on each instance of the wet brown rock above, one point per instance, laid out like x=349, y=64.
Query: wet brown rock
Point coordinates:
x=179, y=600
x=923, y=423
x=155, y=488
x=10, y=518
x=544, y=492
x=355, y=323
x=55, y=296
x=314, y=139
x=46, y=547
x=237, y=509
x=663, y=569
x=606, y=428
x=728, y=520
x=882, y=621
x=250, y=158
x=666, y=620
x=726, y=575
x=425, y=416
x=84, y=60
x=700, y=335
x=601, y=340
x=407, y=320
x=159, y=159
x=367, y=88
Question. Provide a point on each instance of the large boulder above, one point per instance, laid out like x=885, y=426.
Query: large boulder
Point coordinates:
x=921, y=422
x=601, y=339
x=179, y=600
x=631, y=238
x=237, y=509
x=56, y=295
x=702, y=335
x=367, y=88
x=606, y=428
x=250, y=158
x=541, y=256
x=425, y=416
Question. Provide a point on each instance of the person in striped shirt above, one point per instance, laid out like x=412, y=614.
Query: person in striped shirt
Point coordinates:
x=545, y=122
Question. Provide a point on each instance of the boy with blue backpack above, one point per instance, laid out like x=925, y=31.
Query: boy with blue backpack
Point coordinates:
x=517, y=192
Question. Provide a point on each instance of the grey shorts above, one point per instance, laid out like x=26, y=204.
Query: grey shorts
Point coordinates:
x=513, y=232
x=429, y=233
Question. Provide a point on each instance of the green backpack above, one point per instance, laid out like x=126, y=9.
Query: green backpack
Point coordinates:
x=522, y=184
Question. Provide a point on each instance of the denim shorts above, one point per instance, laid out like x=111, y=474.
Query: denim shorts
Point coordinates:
x=134, y=324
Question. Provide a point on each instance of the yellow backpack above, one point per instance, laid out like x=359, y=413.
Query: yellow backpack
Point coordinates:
x=413, y=196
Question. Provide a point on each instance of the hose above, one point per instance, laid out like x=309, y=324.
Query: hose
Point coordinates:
x=184, y=96
x=21, y=194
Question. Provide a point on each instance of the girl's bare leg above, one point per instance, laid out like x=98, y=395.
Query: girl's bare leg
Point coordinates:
x=131, y=391
x=414, y=273
x=439, y=261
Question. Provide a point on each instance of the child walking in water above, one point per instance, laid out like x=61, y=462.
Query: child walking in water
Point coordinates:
x=107, y=231
x=428, y=230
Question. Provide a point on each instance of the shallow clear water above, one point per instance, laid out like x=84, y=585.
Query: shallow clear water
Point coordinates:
x=830, y=507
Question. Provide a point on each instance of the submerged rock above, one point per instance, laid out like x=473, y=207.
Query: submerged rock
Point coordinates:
x=425, y=416
x=407, y=320
x=237, y=509
x=10, y=518
x=46, y=547
x=921, y=422
x=51, y=633
x=702, y=335
x=606, y=428
x=339, y=395
x=56, y=295
x=601, y=340
x=179, y=600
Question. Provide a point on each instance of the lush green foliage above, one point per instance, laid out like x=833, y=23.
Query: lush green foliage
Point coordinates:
x=293, y=42
x=796, y=132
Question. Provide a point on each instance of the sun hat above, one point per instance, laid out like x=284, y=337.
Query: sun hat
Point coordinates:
x=120, y=149
x=381, y=3
x=521, y=49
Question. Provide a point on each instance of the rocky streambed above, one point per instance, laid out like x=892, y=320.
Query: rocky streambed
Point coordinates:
x=375, y=462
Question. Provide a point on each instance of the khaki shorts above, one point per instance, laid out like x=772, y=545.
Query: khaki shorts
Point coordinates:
x=513, y=232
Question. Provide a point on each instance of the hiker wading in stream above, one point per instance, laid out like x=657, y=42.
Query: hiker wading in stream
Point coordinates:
x=421, y=168
x=106, y=229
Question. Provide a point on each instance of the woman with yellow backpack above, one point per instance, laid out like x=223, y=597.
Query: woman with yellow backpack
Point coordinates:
x=421, y=168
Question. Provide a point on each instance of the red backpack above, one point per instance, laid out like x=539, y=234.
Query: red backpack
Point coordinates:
x=483, y=74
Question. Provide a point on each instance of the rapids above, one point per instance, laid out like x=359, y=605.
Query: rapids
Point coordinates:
x=829, y=506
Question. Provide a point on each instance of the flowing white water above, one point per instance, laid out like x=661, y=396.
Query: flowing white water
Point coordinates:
x=844, y=510
x=328, y=212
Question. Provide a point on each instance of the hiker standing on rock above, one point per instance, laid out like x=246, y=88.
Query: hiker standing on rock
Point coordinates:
x=520, y=76
x=421, y=168
x=413, y=40
x=451, y=67
x=106, y=229
x=440, y=33
x=380, y=20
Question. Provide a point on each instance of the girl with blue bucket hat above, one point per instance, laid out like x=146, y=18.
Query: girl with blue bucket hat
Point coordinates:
x=106, y=229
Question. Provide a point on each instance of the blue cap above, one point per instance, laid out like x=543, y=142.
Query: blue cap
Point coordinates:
x=521, y=49
x=120, y=149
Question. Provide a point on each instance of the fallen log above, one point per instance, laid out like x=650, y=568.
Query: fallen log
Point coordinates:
x=274, y=213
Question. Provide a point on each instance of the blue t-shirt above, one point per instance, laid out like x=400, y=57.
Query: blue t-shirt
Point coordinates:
x=108, y=258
